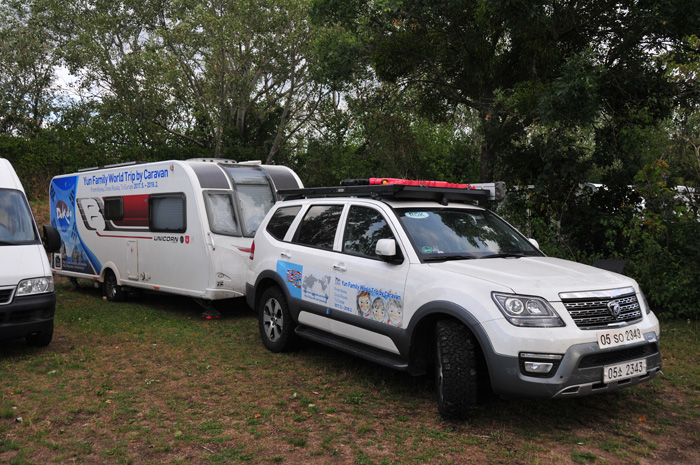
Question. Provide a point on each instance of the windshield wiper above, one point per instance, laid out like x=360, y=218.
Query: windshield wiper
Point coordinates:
x=504, y=255
x=444, y=258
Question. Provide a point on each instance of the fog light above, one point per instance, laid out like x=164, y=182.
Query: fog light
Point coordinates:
x=538, y=367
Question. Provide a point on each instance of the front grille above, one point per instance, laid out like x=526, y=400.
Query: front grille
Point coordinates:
x=618, y=356
x=6, y=295
x=599, y=309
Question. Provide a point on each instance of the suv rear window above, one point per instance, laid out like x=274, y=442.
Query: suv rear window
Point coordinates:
x=281, y=220
x=319, y=225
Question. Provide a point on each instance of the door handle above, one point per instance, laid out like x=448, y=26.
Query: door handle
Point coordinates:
x=340, y=267
x=286, y=255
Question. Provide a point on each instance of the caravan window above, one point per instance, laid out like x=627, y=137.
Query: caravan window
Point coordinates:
x=254, y=193
x=167, y=213
x=222, y=216
x=114, y=208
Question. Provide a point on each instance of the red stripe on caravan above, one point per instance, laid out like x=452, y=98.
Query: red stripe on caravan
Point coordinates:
x=123, y=237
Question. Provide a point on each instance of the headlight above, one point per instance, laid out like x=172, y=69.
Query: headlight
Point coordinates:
x=35, y=286
x=645, y=302
x=523, y=310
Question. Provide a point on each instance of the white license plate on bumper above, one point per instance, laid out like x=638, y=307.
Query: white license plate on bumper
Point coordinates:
x=624, y=370
x=619, y=337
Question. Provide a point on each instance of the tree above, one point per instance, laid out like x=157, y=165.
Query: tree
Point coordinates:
x=519, y=64
x=27, y=63
x=226, y=76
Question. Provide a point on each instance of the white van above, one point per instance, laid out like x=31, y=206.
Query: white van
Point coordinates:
x=180, y=226
x=27, y=298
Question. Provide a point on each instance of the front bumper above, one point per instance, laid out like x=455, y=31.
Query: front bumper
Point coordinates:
x=579, y=373
x=27, y=315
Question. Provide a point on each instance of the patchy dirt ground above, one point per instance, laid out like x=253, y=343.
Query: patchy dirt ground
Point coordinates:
x=152, y=382
x=149, y=382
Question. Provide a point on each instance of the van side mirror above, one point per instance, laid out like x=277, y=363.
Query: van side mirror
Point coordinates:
x=386, y=249
x=52, y=239
x=534, y=242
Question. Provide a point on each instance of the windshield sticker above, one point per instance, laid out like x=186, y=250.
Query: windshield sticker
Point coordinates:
x=417, y=215
x=433, y=249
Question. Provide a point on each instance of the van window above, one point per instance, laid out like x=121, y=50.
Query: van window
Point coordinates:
x=281, y=220
x=167, y=213
x=16, y=223
x=254, y=193
x=222, y=216
x=319, y=225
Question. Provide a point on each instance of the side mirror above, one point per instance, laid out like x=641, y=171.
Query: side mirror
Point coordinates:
x=386, y=249
x=52, y=239
x=534, y=242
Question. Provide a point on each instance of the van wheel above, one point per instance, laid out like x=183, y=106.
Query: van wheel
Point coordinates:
x=112, y=290
x=275, y=321
x=41, y=339
x=456, y=372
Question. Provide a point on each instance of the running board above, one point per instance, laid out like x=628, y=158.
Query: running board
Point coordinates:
x=353, y=348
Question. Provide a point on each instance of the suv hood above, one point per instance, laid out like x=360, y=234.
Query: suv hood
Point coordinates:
x=538, y=276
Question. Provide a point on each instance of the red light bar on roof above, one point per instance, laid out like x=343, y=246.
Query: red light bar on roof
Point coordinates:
x=403, y=182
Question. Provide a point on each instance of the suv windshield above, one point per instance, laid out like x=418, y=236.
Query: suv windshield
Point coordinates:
x=458, y=233
x=16, y=225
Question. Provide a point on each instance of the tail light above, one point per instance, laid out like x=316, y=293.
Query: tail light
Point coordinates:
x=252, y=251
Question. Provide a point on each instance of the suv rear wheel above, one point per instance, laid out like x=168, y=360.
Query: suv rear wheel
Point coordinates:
x=275, y=321
x=456, y=375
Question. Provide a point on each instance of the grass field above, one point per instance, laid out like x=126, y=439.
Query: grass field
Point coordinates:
x=150, y=381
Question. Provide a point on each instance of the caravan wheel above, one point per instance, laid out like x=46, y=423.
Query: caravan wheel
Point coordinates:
x=112, y=289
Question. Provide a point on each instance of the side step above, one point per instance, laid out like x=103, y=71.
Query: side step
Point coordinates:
x=353, y=348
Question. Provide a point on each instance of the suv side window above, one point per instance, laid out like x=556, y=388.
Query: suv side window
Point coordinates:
x=363, y=229
x=281, y=220
x=319, y=225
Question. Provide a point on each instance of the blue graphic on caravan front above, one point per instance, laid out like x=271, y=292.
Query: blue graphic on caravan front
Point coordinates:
x=75, y=255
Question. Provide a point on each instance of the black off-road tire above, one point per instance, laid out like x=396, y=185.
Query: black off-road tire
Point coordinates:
x=112, y=290
x=275, y=321
x=456, y=370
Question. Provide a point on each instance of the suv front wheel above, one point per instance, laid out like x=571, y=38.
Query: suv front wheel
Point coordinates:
x=275, y=321
x=456, y=373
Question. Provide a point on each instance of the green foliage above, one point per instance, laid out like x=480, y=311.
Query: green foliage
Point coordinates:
x=545, y=98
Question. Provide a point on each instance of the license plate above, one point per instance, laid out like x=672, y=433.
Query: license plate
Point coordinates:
x=624, y=370
x=619, y=337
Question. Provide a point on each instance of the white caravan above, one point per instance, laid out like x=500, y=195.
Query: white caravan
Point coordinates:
x=27, y=298
x=180, y=226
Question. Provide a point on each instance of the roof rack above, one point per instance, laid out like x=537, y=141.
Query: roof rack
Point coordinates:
x=444, y=195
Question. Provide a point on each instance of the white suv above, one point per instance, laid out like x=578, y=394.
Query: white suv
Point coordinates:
x=418, y=278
